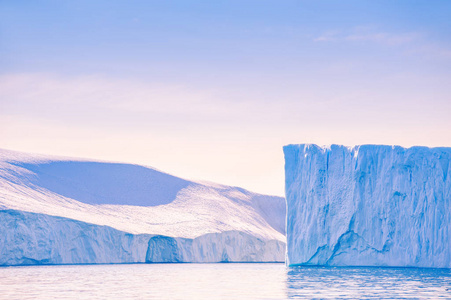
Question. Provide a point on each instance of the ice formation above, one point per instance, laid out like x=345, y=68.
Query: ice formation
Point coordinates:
x=30, y=238
x=61, y=210
x=368, y=205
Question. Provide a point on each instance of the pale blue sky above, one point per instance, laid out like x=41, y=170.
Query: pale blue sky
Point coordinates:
x=213, y=89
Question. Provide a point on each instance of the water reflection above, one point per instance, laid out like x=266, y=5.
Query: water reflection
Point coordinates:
x=220, y=281
x=145, y=281
x=367, y=283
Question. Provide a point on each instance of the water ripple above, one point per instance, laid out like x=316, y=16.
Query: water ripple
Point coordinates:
x=221, y=281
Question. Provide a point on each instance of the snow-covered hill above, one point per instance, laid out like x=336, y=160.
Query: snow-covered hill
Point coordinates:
x=138, y=200
x=368, y=205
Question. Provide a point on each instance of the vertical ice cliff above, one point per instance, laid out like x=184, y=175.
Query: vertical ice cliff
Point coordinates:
x=38, y=239
x=368, y=205
x=229, y=246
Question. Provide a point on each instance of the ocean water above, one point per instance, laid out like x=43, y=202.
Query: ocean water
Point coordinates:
x=221, y=281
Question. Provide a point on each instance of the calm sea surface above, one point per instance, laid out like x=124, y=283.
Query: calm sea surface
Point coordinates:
x=220, y=281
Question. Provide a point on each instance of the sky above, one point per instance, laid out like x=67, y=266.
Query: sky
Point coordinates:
x=212, y=90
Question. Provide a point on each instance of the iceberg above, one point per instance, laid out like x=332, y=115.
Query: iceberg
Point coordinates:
x=368, y=205
x=58, y=210
x=229, y=246
x=38, y=239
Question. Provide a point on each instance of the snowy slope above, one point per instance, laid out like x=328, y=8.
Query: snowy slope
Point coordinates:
x=135, y=199
x=368, y=205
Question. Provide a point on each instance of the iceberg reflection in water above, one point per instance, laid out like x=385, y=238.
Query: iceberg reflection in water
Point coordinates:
x=368, y=282
x=220, y=281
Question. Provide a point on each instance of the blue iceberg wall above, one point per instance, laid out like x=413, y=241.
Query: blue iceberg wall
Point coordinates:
x=368, y=206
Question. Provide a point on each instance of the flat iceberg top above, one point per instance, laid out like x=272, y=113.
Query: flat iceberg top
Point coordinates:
x=133, y=198
x=372, y=205
x=323, y=148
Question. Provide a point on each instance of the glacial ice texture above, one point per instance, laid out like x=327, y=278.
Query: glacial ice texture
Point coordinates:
x=368, y=206
x=38, y=239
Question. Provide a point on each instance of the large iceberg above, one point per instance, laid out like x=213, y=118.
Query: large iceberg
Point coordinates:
x=368, y=205
x=57, y=210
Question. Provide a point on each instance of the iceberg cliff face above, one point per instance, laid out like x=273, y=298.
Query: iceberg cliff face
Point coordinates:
x=368, y=206
x=38, y=239
x=29, y=239
x=230, y=246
